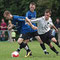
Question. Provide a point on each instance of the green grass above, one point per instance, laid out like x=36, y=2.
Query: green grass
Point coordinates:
x=6, y=48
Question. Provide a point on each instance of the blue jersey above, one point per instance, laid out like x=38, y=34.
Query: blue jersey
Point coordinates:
x=31, y=15
x=19, y=22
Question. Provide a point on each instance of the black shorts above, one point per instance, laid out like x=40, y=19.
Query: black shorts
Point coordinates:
x=46, y=38
x=29, y=35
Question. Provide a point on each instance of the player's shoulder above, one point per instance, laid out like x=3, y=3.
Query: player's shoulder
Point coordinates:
x=15, y=16
x=43, y=17
x=28, y=11
x=50, y=19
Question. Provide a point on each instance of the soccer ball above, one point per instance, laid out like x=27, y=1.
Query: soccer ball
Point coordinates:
x=15, y=54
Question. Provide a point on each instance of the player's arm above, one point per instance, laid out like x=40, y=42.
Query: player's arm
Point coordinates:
x=55, y=28
x=29, y=22
x=19, y=18
x=34, y=20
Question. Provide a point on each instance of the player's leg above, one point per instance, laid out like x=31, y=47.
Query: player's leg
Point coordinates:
x=41, y=44
x=24, y=44
x=21, y=44
x=55, y=41
x=36, y=35
x=50, y=37
x=27, y=37
x=53, y=48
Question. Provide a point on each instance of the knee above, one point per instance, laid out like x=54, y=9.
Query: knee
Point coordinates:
x=54, y=40
x=20, y=40
x=26, y=41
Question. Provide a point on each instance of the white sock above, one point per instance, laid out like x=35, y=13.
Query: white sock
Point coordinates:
x=44, y=50
x=26, y=48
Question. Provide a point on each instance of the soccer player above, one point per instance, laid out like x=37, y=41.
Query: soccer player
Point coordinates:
x=51, y=25
x=44, y=29
x=31, y=14
x=22, y=28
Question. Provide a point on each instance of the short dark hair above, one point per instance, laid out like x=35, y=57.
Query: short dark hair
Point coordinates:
x=6, y=13
x=32, y=3
x=48, y=11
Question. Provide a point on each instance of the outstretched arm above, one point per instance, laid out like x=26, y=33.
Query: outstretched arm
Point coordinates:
x=53, y=26
x=34, y=20
x=29, y=22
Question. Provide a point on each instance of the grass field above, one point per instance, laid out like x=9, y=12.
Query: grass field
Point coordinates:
x=6, y=48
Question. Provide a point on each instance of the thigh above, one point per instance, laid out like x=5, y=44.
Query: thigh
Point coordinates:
x=39, y=39
x=20, y=40
x=43, y=38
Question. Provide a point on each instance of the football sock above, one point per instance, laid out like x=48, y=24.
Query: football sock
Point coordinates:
x=43, y=47
x=54, y=50
x=57, y=43
x=23, y=45
x=18, y=50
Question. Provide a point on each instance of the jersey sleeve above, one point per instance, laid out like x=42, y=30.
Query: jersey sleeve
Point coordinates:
x=51, y=23
x=36, y=20
x=19, y=18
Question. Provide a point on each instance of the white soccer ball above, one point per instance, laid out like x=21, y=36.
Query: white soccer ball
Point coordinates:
x=15, y=54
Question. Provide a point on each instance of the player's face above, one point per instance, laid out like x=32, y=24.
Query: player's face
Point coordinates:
x=47, y=15
x=32, y=7
x=7, y=17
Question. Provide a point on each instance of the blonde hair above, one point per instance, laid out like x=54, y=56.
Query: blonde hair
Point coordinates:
x=6, y=13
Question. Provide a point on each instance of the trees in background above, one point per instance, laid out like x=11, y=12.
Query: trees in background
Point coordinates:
x=20, y=7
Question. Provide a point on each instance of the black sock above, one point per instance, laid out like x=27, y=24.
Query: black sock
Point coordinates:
x=22, y=45
x=18, y=50
x=54, y=50
x=42, y=46
x=57, y=43
x=25, y=46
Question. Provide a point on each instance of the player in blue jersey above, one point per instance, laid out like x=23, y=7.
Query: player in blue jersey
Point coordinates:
x=19, y=22
x=31, y=14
